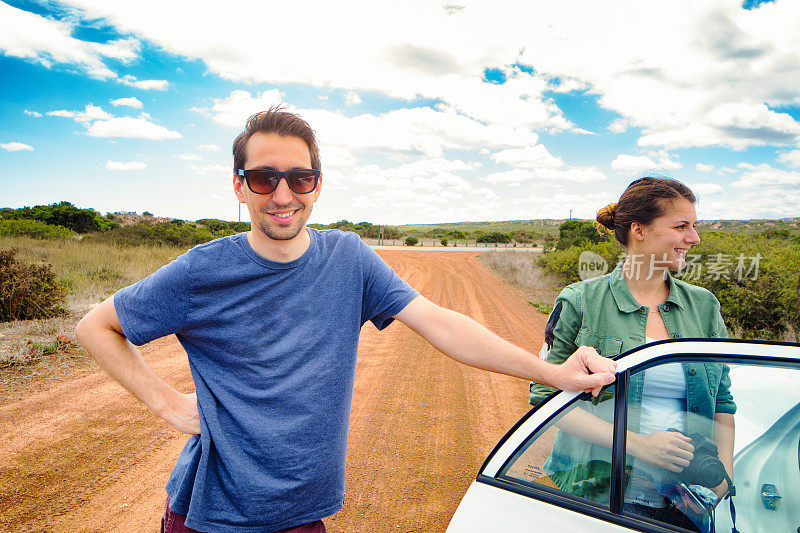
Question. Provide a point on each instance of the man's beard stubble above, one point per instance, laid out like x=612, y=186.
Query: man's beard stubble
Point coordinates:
x=278, y=233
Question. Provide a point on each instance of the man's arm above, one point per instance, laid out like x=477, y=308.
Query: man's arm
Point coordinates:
x=101, y=334
x=466, y=341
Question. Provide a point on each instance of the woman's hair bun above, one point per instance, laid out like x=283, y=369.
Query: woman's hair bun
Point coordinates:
x=606, y=216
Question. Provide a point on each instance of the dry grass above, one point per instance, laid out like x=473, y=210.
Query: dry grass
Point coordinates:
x=520, y=270
x=91, y=272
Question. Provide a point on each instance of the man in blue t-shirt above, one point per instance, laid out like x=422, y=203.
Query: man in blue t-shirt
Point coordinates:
x=270, y=321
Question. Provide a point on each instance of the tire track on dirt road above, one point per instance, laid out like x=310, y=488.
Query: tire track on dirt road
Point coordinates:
x=83, y=455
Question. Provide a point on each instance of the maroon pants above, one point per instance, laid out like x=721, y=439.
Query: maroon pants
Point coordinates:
x=173, y=522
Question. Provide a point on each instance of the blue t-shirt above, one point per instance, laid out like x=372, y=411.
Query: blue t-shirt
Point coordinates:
x=272, y=350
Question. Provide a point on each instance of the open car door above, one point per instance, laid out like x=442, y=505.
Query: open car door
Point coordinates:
x=576, y=463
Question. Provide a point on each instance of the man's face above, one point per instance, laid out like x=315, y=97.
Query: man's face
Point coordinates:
x=282, y=214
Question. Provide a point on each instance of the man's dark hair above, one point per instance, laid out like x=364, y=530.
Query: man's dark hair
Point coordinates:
x=275, y=120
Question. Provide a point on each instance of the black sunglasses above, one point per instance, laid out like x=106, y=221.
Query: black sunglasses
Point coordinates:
x=266, y=180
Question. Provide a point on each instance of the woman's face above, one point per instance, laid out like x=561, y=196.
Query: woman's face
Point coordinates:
x=668, y=238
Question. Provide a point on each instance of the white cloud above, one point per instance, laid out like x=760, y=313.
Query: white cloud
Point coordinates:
x=158, y=85
x=511, y=178
x=535, y=156
x=131, y=128
x=234, y=110
x=705, y=87
x=706, y=188
x=764, y=175
x=518, y=176
x=764, y=202
x=336, y=156
x=15, y=146
x=702, y=167
x=619, y=126
x=352, y=98
x=130, y=102
x=90, y=113
x=99, y=123
x=633, y=164
x=418, y=130
x=189, y=157
x=211, y=169
x=32, y=113
x=48, y=42
x=208, y=147
x=130, y=165
x=791, y=158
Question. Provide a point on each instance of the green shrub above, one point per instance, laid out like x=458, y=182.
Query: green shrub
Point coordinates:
x=542, y=307
x=755, y=277
x=159, y=234
x=578, y=232
x=494, y=236
x=223, y=227
x=62, y=214
x=28, y=290
x=525, y=237
x=443, y=241
x=564, y=263
x=364, y=229
x=411, y=241
x=33, y=228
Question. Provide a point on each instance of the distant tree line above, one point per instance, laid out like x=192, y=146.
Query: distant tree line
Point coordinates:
x=62, y=214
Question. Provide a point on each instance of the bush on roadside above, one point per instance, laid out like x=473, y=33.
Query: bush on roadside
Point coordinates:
x=411, y=241
x=564, y=263
x=756, y=278
x=578, y=232
x=494, y=236
x=33, y=228
x=223, y=227
x=443, y=241
x=159, y=234
x=62, y=214
x=28, y=290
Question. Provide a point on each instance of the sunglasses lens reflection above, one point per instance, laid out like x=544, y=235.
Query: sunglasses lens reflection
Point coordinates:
x=301, y=181
x=265, y=181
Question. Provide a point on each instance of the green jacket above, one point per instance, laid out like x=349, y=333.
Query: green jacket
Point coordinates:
x=603, y=313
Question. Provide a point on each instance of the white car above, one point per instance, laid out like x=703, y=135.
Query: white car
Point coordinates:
x=548, y=474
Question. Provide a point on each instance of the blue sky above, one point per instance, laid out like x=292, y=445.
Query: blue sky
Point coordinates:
x=426, y=111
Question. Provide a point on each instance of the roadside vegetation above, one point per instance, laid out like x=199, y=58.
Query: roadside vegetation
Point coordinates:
x=520, y=269
x=58, y=260
x=754, y=274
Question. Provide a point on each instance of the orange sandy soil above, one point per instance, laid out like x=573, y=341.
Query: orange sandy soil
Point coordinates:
x=78, y=453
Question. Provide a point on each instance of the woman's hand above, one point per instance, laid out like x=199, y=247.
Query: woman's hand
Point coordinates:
x=720, y=490
x=666, y=449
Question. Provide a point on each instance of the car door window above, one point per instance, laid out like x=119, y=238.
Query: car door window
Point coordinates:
x=571, y=455
x=692, y=425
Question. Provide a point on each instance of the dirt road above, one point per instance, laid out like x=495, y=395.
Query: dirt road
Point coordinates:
x=79, y=454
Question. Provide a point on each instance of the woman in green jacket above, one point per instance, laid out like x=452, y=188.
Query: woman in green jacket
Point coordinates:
x=641, y=302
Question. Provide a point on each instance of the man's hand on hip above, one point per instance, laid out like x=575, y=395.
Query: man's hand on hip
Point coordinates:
x=183, y=415
x=585, y=370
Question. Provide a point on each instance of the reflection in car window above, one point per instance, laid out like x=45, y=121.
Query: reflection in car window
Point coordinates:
x=572, y=454
x=694, y=425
